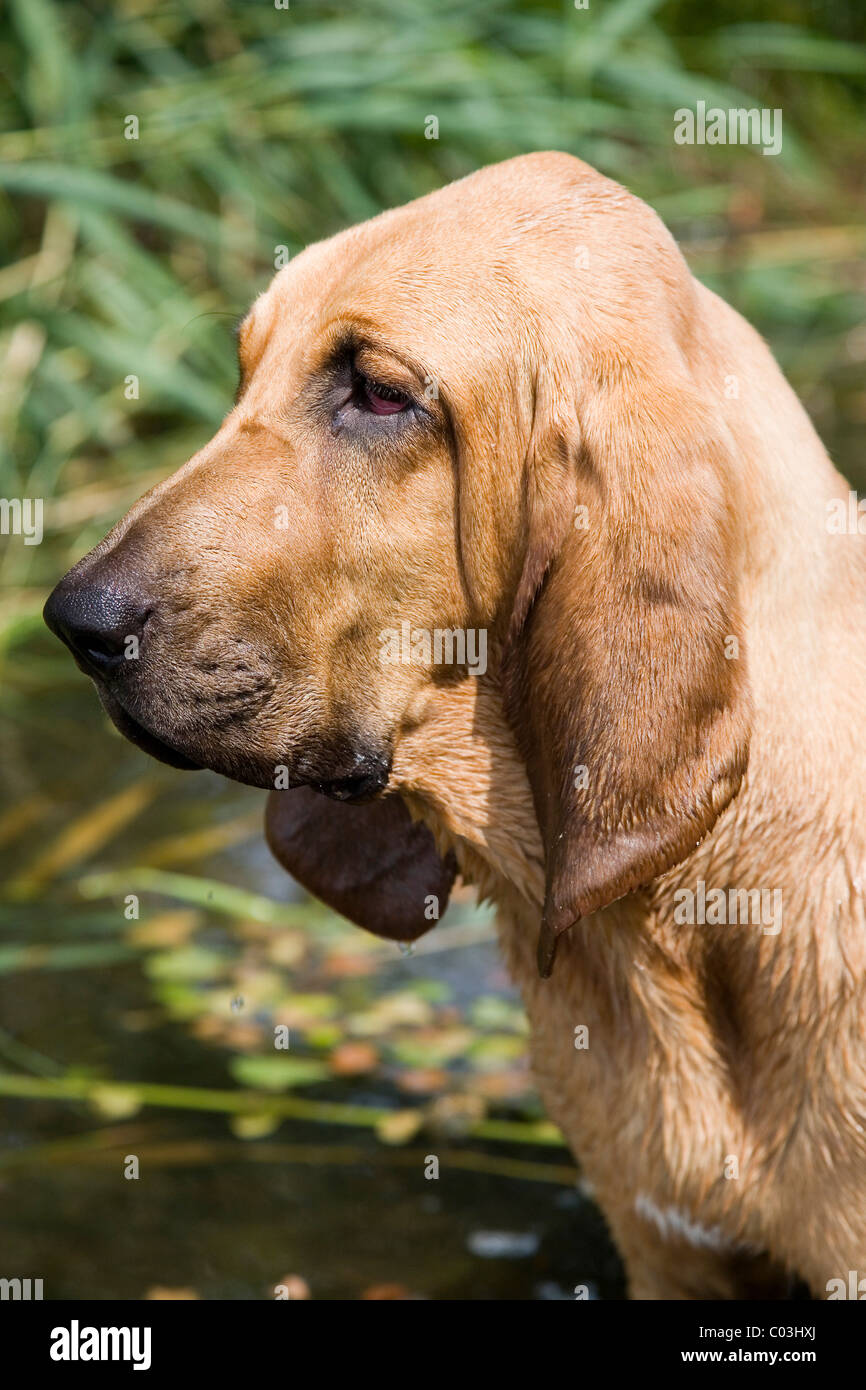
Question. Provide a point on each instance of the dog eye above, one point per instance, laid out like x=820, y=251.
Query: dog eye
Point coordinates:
x=380, y=399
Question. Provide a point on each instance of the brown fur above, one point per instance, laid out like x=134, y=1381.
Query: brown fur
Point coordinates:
x=596, y=380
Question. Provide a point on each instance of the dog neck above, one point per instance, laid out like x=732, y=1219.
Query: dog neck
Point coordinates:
x=459, y=771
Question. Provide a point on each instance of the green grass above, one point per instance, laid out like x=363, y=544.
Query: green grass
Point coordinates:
x=261, y=127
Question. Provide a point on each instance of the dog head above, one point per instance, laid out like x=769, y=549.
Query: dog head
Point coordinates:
x=468, y=427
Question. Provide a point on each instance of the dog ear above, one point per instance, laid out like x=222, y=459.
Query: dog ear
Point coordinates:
x=371, y=863
x=624, y=674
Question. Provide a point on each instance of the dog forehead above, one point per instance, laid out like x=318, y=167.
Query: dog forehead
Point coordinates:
x=453, y=241
x=396, y=287
x=454, y=256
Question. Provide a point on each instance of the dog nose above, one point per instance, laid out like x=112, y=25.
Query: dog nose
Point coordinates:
x=101, y=626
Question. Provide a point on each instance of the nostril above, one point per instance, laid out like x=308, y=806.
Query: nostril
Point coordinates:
x=100, y=650
x=100, y=647
x=97, y=625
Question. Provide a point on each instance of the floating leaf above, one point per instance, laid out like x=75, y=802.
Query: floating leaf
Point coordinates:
x=391, y=1011
x=491, y=1052
x=354, y=1059
x=290, y=1287
x=501, y=1085
x=347, y=965
x=431, y=1047
x=322, y=1035
x=243, y=1036
x=297, y=1010
x=492, y=1011
x=180, y=1000
x=455, y=1115
x=160, y=1294
x=434, y=991
x=287, y=948
x=188, y=963
x=115, y=1102
x=423, y=1081
x=254, y=1126
x=277, y=1073
x=165, y=928
x=399, y=1126
x=386, y=1293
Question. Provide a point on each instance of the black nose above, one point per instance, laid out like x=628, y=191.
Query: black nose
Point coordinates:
x=102, y=627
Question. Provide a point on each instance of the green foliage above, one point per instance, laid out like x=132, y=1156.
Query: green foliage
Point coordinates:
x=261, y=127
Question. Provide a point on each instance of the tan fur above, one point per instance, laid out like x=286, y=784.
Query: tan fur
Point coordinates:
x=710, y=1042
x=599, y=379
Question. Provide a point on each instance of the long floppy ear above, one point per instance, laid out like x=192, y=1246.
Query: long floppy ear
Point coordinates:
x=624, y=674
x=372, y=863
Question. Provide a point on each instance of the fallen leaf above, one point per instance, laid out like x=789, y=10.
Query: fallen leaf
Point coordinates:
x=287, y=948
x=422, y=1080
x=353, y=1059
x=399, y=1126
x=258, y=1126
x=158, y=1293
x=277, y=1073
x=455, y=1115
x=500, y=1085
x=291, y=1287
x=165, y=929
x=115, y=1102
x=188, y=963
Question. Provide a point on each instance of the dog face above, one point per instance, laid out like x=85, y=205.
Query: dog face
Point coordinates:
x=429, y=405
x=244, y=615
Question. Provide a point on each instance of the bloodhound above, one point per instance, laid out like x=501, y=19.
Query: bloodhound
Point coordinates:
x=506, y=420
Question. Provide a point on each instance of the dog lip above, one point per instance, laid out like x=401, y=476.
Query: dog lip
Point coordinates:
x=356, y=771
x=142, y=738
x=356, y=790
